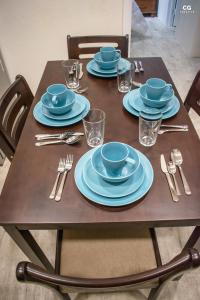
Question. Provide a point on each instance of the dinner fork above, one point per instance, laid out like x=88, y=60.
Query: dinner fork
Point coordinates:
x=61, y=169
x=68, y=166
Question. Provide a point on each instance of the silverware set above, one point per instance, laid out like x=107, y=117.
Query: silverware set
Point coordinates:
x=68, y=137
x=64, y=166
x=138, y=66
x=169, y=169
x=173, y=128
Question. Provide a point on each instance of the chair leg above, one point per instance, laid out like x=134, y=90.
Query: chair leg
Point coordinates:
x=155, y=292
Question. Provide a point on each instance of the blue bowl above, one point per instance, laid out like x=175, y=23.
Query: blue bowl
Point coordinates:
x=162, y=101
x=126, y=172
x=106, y=64
x=59, y=110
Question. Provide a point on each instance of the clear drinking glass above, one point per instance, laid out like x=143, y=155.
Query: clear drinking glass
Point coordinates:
x=124, y=80
x=94, y=126
x=71, y=70
x=148, y=129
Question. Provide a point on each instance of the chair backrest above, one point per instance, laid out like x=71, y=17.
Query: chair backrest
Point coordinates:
x=190, y=258
x=81, y=45
x=14, y=107
x=193, y=97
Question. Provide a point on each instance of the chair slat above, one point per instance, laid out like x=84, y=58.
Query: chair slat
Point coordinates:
x=193, y=97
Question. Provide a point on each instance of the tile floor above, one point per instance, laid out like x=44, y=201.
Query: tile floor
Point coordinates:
x=171, y=240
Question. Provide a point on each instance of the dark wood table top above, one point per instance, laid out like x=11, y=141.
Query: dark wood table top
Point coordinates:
x=24, y=200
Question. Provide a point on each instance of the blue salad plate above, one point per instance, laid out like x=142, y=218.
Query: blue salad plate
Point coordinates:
x=106, y=193
x=132, y=97
x=43, y=119
x=94, y=69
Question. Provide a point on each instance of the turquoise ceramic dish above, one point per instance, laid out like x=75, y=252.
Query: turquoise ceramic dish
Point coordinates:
x=106, y=65
x=76, y=110
x=111, y=190
x=39, y=116
x=161, y=102
x=114, y=202
x=129, y=170
x=173, y=111
x=137, y=103
x=124, y=66
x=58, y=110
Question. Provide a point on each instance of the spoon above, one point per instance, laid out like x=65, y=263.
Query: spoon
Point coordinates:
x=70, y=141
x=161, y=131
x=172, y=170
x=177, y=158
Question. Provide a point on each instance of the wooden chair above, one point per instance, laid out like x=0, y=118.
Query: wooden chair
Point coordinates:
x=75, y=49
x=14, y=107
x=99, y=260
x=193, y=97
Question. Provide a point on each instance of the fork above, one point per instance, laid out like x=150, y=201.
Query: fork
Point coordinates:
x=61, y=168
x=68, y=166
x=136, y=66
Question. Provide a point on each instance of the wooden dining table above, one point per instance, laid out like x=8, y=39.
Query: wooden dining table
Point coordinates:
x=25, y=203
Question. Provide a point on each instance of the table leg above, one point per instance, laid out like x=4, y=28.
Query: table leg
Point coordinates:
x=194, y=240
x=29, y=246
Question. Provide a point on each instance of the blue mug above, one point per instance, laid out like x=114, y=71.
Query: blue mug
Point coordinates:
x=57, y=94
x=155, y=87
x=109, y=53
x=114, y=156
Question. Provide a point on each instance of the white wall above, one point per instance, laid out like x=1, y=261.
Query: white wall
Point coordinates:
x=163, y=8
x=34, y=31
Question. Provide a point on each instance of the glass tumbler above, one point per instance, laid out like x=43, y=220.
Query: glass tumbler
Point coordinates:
x=124, y=79
x=71, y=69
x=148, y=128
x=94, y=126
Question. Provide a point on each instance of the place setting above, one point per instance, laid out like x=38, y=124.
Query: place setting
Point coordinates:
x=108, y=63
x=155, y=96
x=60, y=106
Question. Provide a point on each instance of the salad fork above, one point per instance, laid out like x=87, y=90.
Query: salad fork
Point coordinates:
x=61, y=168
x=68, y=166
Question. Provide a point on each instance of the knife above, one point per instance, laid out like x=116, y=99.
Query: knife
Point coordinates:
x=80, y=71
x=165, y=171
x=45, y=136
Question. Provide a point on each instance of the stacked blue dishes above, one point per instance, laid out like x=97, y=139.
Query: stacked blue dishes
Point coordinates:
x=114, y=174
x=60, y=106
x=155, y=93
x=107, y=62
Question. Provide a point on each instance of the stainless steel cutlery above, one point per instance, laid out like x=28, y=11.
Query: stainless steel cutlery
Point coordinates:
x=177, y=158
x=161, y=131
x=141, y=67
x=174, y=126
x=59, y=136
x=170, y=183
x=68, y=166
x=172, y=170
x=60, y=170
x=64, y=167
x=69, y=141
x=138, y=66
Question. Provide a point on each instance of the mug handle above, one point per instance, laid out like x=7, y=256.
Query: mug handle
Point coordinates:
x=169, y=86
x=119, y=51
x=130, y=160
x=54, y=100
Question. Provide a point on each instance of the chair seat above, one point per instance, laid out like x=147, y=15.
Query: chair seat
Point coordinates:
x=106, y=253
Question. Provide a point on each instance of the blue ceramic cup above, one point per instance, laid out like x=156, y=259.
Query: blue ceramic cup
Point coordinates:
x=109, y=53
x=57, y=94
x=114, y=156
x=155, y=87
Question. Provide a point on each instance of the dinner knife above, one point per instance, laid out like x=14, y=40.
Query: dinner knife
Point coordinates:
x=80, y=71
x=169, y=180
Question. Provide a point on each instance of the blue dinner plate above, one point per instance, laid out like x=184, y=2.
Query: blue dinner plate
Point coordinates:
x=112, y=190
x=122, y=65
x=125, y=63
x=76, y=110
x=39, y=116
x=133, y=197
x=136, y=102
x=173, y=111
